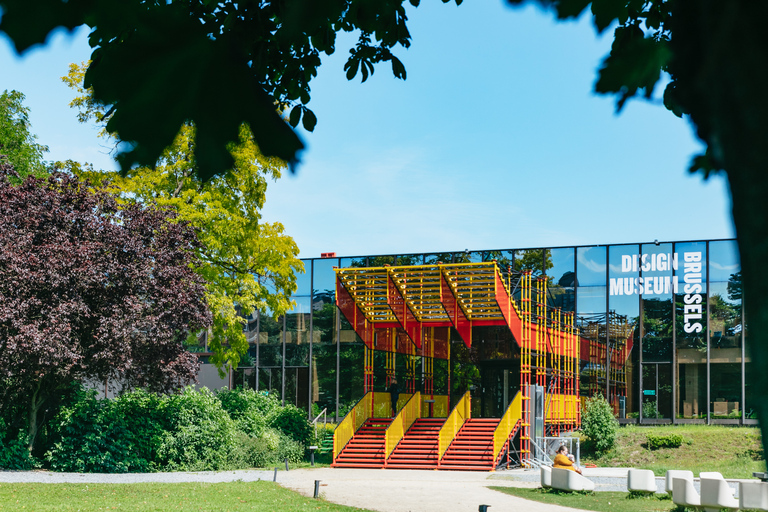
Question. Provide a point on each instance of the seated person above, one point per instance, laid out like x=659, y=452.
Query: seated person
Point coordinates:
x=564, y=461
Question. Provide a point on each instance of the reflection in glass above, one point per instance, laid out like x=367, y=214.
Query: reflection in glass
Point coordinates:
x=562, y=279
x=353, y=262
x=590, y=266
x=324, y=276
x=304, y=279
x=723, y=260
x=623, y=319
x=533, y=260
x=657, y=390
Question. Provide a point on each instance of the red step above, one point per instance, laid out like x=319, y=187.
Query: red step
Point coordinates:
x=366, y=448
x=472, y=448
x=418, y=448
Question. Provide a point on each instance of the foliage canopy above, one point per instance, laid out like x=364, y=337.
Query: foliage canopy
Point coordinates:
x=17, y=144
x=89, y=290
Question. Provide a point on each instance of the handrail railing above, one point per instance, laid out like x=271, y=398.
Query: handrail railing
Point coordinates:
x=513, y=414
x=354, y=419
x=324, y=414
x=453, y=423
x=410, y=412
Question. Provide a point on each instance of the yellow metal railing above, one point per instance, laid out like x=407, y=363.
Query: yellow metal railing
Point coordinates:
x=455, y=420
x=351, y=422
x=439, y=406
x=513, y=414
x=410, y=412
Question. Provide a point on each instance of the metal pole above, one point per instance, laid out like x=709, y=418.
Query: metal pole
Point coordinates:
x=709, y=384
x=311, y=334
x=338, y=361
x=282, y=373
x=675, y=387
x=258, y=342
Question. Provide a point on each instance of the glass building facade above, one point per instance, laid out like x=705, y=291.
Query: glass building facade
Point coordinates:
x=661, y=326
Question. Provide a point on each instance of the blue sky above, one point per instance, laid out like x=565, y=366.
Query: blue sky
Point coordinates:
x=495, y=140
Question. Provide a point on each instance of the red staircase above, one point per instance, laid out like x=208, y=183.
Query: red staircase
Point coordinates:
x=366, y=448
x=472, y=448
x=418, y=448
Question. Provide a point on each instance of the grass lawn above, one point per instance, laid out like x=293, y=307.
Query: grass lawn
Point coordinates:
x=230, y=497
x=599, y=501
x=733, y=451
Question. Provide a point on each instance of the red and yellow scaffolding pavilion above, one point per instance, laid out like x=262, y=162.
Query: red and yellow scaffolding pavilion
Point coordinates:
x=411, y=310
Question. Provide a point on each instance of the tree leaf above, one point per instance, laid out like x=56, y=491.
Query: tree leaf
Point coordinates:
x=309, y=120
x=295, y=116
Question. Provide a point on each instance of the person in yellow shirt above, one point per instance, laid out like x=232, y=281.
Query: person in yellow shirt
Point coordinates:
x=563, y=461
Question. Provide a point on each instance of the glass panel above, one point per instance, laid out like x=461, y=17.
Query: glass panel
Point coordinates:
x=351, y=355
x=690, y=318
x=562, y=279
x=723, y=260
x=657, y=390
x=324, y=349
x=324, y=279
x=724, y=320
x=443, y=257
x=409, y=259
x=725, y=392
x=623, y=320
x=590, y=266
x=591, y=322
x=534, y=260
x=380, y=261
x=590, y=301
x=504, y=259
x=476, y=256
x=752, y=395
x=297, y=333
x=353, y=262
x=303, y=279
x=656, y=288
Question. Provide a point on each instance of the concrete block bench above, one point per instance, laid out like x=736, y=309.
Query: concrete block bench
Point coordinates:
x=716, y=495
x=567, y=480
x=546, y=476
x=675, y=473
x=753, y=495
x=684, y=493
x=641, y=480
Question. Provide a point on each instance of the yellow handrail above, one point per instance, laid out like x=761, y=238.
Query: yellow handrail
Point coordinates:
x=410, y=412
x=455, y=420
x=513, y=414
x=351, y=422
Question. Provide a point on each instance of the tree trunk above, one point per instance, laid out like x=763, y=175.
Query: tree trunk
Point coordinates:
x=35, y=402
x=720, y=66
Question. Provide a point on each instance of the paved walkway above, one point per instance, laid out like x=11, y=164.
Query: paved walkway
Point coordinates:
x=373, y=489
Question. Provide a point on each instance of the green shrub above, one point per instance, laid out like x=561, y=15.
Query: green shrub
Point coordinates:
x=251, y=411
x=656, y=441
x=598, y=423
x=106, y=436
x=650, y=410
x=292, y=421
x=14, y=453
x=201, y=435
x=269, y=448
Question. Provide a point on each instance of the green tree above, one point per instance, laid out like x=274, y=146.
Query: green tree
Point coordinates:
x=17, y=144
x=247, y=264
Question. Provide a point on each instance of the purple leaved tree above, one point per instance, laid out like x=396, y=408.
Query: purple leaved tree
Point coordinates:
x=90, y=290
